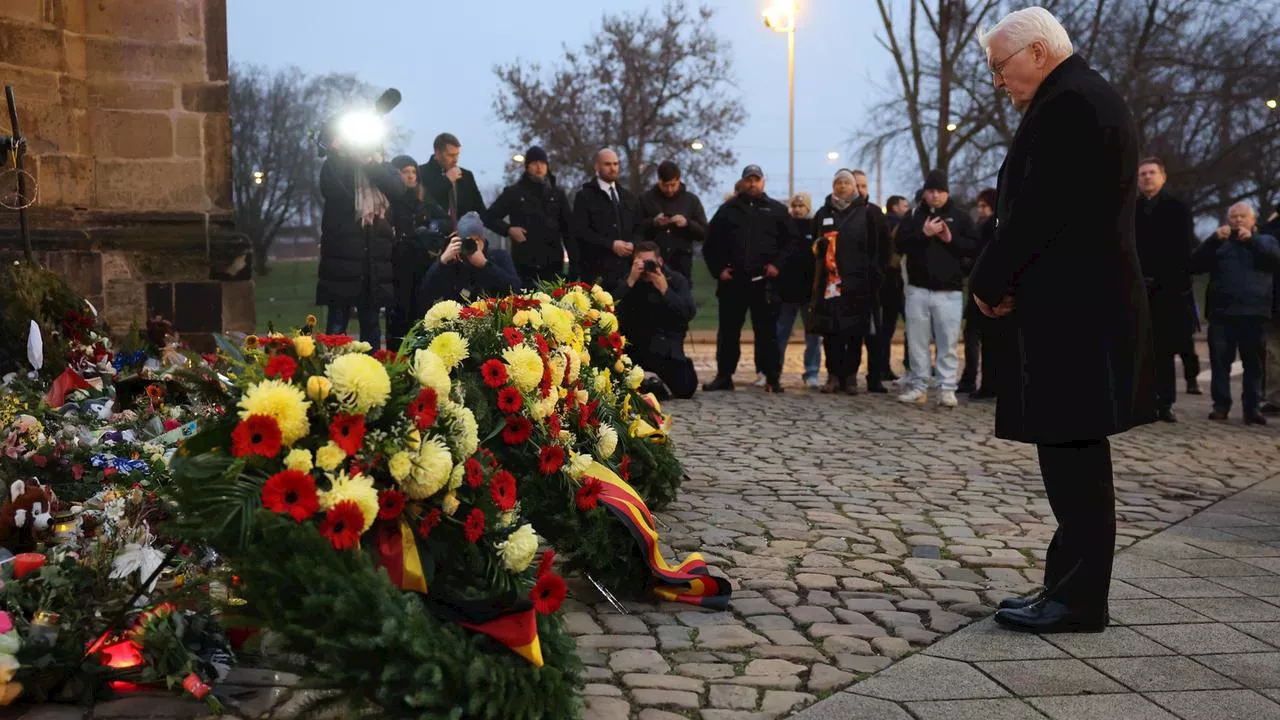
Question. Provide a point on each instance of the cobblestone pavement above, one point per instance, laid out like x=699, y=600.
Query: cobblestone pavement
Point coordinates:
x=1195, y=635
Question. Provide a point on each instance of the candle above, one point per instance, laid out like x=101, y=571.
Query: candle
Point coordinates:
x=26, y=563
x=44, y=629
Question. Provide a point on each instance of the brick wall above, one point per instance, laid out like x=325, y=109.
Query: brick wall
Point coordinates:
x=124, y=105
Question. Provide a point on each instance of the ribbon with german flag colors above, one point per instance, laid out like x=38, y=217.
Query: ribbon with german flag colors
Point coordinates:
x=690, y=581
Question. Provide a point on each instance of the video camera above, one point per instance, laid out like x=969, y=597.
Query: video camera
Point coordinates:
x=358, y=131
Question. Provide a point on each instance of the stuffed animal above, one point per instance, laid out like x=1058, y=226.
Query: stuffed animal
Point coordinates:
x=25, y=514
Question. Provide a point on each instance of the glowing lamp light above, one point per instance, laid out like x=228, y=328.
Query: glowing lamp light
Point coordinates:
x=781, y=18
x=122, y=655
x=1273, y=103
x=518, y=158
x=696, y=145
x=362, y=129
x=951, y=127
x=833, y=155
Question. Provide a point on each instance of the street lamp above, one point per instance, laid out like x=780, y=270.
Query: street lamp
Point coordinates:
x=833, y=155
x=1273, y=103
x=782, y=18
x=951, y=127
x=258, y=177
x=696, y=145
x=518, y=158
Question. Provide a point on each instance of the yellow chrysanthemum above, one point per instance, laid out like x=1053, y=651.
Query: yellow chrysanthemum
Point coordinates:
x=440, y=313
x=355, y=488
x=607, y=442
x=635, y=376
x=603, y=382
x=524, y=366
x=356, y=347
x=602, y=296
x=527, y=317
x=304, y=345
x=578, y=464
x=282, y=401
x=329, y=457
x=456, y=477
x=430, y=371
x=577, y=301
x=609, y=322
x=560, y=322
x=298, y=459
x=400, y=465
x=542, y=297
x=519, y=549
x=464, y=432
x=558, y=363
x=359, y=382
x=451, y=347
x=430, y=472
x=575, y=365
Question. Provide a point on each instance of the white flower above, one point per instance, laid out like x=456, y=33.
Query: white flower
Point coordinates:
x=430, y=371
x=440, y=313
x=578, y=464
x=635, y=377
x=608, y=442
x=609, y=322
x=464, y=433
x=519, y=549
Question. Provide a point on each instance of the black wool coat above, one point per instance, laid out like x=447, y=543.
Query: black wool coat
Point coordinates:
x=597, y=223
x=746, y=234
x=542, y=209
x=1078, y=347
x=355, y=261
x=669, y=237
x=1165, y=233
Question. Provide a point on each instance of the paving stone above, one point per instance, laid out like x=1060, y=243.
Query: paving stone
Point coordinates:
x=920, y=677
x=1192, y=587
x=710, y=671
x=862, y=664
x=813, y=581
x=1049, y=677
x=837, y=644
x=1267, y=632
x=55, y=712
x=803, y=653
x=652, y=714
x=610, y=642
x=734, y=697
x=1253, y=670
x=868, y=605
x=945, y=622
x=633, y=660
x=662, y=682
x=1201, y=638
x=1214, y=567
x=1234, y=609
x=824, y=677
x=581, y=623
x=755, y=606
x=665, y=698
x=1152, y=612
x=891, y=647
x=1113, y=642
x=915, y=635
x=708, y=714
x=703, y=619
x=974, y=710
x=720, y=637
x=845, y=706
x=601, y=690
x=1129, y=706
x=603, y=708
x=896, y=619
x=809, y=614
x=1221, y=705
x=1155, y=674
x=781, y=701
x=986, y=641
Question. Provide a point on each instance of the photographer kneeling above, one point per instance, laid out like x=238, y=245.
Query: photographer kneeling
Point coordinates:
x=654, y=307
x=466, y=270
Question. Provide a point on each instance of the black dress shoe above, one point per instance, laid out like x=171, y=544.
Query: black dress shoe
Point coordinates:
x=877, y=388
x=1254, y=419
x=1193, y=388
x=773, y=386
x=1218, y=415
x=1017, y=603
x=890, y=377
x=1166, y=415
x=1049, y=616
x=719, y=383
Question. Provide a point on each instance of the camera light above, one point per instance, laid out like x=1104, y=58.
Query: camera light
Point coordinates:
x=362, y=129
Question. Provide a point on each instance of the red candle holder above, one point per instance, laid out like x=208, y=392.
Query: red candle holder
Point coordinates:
x=26, y=563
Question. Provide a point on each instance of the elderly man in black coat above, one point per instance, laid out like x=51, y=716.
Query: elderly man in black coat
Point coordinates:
x=1065, y=283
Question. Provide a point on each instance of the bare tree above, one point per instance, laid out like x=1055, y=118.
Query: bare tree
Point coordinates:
x=275, y=167
x=1195, y=75
x=647, y=86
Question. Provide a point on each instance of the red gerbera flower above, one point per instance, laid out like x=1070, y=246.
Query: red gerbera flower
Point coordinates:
x=423, y=408
x=550, y=459
x=291, y=492
x=503, y=489
x=625, y=468
x=509, y=400
x=282, y=367
x=475, y=473
x=588, y=496
x=390, y=504
x=560, y=292
x=615, y=341
x=334, y=341
x=474, y=526
x=541, y=342
x=548, y=593
x=384, y=356
x=494, y=372
x=512, y=336
x=256, y=435
x=544, y=386
x=487, y=455
x=517, y=430
x=544, y=566
x=342, y=525
x=554, y=424
x=429, y=523
x=347, y=432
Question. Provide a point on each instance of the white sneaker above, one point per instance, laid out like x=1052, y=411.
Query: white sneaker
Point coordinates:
x=947, y=399
x=760, y=380
x=811, y=383
x=914, y=397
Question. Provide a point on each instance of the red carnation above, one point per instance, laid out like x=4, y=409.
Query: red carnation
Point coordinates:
x=282, y=367
x=544, y=566
x=423, y=408
x=468, y=313
x=342, y=525
x=333, y=341
x=615, y=341
x=509, y=400
x=588, y=496
x=384, y=356
x=513, y=336
x=625, y=468
x=551, y=459
x=503, y=489
x=256, y=435
x=347, y=432
x=474, y=526
x=553, y=425
x=517, y=430
x=541, y=342
x=390, y=504
x=475, y=473
x=548, y=593
x=291, y=492
x=544, y=386
x=494, y=372
x=429, y=523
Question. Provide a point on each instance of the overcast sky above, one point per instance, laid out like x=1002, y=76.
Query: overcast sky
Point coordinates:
x=402, y=43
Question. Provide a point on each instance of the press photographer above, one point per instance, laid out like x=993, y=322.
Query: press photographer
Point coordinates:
x=467, y=269
x=654, y=307
x=422, y=232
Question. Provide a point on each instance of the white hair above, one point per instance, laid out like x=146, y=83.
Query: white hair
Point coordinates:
x=1243, y=205
x=1029, y=25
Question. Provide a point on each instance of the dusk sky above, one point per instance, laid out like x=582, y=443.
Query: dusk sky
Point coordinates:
x=404, y=43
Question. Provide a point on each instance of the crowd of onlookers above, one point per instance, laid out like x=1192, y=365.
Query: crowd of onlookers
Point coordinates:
x=846, y=269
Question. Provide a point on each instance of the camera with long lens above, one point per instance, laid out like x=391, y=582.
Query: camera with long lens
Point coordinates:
x=358, y=132
x=651, y=266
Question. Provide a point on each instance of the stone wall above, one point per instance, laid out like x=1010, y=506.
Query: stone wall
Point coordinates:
x=124, y=105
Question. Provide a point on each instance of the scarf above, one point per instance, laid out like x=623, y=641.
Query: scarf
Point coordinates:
x=371, y=204
x=842, y=205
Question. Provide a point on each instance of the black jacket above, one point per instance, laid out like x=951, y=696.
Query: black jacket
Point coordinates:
x=468, y=193
x=931, y=263
x=1164, y=231
x=653, y=203
x=422, y=230
x=747, y=234
x=1241, y=275
x=795, y=282
x=655, y=323
x=541, y=208
x=862, y=242
x=1076, y=357
x=463, y=282
x=597, y=223
x=355, y=261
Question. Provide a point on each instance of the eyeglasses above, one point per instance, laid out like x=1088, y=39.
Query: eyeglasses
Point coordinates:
x=997, y=70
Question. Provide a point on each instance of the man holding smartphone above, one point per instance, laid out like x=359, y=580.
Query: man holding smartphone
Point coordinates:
x=674, y=219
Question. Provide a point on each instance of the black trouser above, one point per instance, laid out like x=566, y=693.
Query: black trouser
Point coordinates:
x=892, y=306
x=674, y=369
x=1078, y=481
x=975, y=354
x=1190, y=361
x=737, y=298
x=844, y=357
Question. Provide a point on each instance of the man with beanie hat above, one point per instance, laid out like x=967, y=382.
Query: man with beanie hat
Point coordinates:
x=674, y=219
x=467, y=269
x=534, y=213
x=936, y=239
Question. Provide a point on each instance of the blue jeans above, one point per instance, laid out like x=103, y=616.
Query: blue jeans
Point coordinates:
x=933, y=315
x=339, y=316
x=1227, y=336
x=787, y=314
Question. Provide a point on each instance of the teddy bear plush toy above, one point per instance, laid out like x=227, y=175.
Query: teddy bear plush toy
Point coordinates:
x=25, y=515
